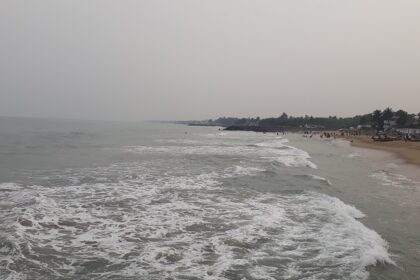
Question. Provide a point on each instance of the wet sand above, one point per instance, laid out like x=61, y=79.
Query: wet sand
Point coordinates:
x=408, y=151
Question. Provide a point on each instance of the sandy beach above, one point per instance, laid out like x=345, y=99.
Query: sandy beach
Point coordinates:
x=408, y=151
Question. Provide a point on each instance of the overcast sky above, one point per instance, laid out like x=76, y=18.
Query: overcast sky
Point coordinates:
x=176, y=59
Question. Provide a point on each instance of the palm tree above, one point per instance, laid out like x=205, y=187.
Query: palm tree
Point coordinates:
x=377, y=119
x=387, y=114
x=402, y=117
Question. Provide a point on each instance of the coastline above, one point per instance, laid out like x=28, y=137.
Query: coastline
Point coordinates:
x=407, y=151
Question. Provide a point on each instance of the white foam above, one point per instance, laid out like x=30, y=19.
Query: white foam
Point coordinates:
x=394, y=179
x=294, y=157
x=278, y=143
x=175, y=226
x=172, y=219
x=319, y=178
x=354, y=155
x=286, y=154
x=9, y=187
x=273, y=150
x=180, y=141
x=238, y=170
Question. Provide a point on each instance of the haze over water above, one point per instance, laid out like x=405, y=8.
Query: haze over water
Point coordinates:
x=188, y=59
x=113, y=200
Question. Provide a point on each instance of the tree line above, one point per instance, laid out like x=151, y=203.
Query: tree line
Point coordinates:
x=376, y=120
x=399, y=118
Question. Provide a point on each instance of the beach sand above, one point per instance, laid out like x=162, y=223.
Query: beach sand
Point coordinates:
x=408, y=151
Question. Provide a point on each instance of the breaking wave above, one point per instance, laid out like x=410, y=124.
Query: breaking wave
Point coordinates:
x=182, y=227
x=275, y=150
x=319, y=178
x=393, y=179
x=177, y=216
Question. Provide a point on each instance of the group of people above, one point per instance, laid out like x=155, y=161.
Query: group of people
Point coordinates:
x=410, y=137
x=322, y=134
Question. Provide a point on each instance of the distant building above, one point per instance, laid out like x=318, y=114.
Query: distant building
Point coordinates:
x=388, y=124
x=408, y=130
x=314, y=126
x=364, y=126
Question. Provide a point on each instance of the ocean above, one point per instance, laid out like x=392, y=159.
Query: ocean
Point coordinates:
x=127, y=200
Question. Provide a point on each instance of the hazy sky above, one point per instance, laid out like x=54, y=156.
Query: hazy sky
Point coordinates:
x=176, y=59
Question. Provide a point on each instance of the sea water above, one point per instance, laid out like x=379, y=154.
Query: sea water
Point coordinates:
x=114, y=200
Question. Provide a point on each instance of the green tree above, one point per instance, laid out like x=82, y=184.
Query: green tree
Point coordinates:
x=387, y=114
x=365, y=119
x=402, y=117
x=377, y=119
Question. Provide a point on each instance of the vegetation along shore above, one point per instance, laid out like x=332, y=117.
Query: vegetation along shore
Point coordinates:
x=393, y=131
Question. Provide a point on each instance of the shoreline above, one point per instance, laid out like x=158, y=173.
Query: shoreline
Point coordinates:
x=407, y=151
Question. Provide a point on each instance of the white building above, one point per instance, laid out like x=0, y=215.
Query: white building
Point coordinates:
x=408, y=130
x=388, y=124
